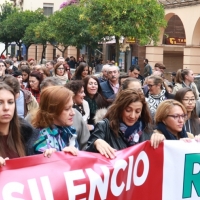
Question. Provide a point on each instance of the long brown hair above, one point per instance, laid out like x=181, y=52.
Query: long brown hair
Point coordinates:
x=122, y=101
x=99, y=98
x=52, y=102
x=14, y=140
x=179, y=97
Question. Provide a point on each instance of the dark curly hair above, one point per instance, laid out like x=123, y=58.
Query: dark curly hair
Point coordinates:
x=75, y=86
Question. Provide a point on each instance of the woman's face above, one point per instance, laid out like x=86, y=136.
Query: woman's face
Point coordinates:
x=84, y=72
x=135, y=85
x=175, y=120
x=190, y=76
x=60, y=70
x=43, y=74
x=131, y=114
x=34, y=83
x=189, y=101
x=24, y=76
x=78, y=98
x=2, y=69
x=92, y=87
x=153, y=89
x=66, y=117
x=19, y=78
x=7, y=106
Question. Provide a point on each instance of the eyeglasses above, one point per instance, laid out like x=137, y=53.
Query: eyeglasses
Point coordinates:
x=149, y=85
x=189, y=100
x=2, y=65
x=178, y=117
x=60, y=68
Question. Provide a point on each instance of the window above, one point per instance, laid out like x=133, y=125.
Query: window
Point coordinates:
x=48, y=9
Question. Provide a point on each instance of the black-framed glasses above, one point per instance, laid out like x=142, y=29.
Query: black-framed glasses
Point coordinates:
x=189, y=100
x=149, y=85
x=178, y=117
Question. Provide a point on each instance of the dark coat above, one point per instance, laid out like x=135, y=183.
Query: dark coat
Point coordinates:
x=29, y=136
x=103, y=131
x=107, y=89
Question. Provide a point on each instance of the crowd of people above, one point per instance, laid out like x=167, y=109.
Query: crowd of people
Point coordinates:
x=45, y=108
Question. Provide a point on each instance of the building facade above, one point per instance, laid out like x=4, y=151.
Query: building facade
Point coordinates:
x=179, y=44
x=35, y=51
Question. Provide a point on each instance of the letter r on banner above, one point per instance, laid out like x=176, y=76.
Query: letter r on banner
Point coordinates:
x=191, y=175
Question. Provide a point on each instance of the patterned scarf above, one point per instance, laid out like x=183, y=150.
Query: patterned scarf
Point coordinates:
x=68, y=134
x=132, y=133
x=155, y=100
x=57, y=137
x=79, y=108
x=168, y=135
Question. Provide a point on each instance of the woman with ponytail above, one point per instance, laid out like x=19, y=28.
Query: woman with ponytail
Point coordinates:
x=185, y=78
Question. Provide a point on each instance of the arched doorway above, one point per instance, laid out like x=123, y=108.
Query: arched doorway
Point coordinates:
x=195, y=37
x=174, y=40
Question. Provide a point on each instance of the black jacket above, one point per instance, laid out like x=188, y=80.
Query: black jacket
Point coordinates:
x=103, y=131
x=28, y=135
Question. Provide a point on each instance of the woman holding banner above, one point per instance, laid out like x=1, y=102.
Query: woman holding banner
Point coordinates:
x=16, y=135
x=54, y=119
x=127, y=122
x=170, y=118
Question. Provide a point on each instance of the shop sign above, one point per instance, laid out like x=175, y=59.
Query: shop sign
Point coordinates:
x=176, y=41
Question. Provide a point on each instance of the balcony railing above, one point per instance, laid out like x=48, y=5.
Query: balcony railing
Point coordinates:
x=178, y=3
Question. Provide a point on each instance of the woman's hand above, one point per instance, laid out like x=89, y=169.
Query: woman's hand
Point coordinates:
x=3, y=161
x=187, y=140
x=156, y=139
x=90, y=127
x=197, y=138
x=48, y=152
x=104, y=148
x=71, y=149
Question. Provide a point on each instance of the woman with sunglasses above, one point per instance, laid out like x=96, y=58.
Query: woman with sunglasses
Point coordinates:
x=157, y=92
x=60, y=72
x=186, y=96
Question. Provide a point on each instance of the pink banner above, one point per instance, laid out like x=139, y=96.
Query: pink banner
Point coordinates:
x=136, y=173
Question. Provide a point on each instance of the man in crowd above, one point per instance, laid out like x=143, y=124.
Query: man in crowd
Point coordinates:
x=61, y=59
x=134, y=72
x=10, y=68
x=147, y=68
x=111, y=86
x=50, y=66
x=104, y=73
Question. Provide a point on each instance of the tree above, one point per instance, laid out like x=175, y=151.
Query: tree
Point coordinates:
x=14, y=26
x=7, y=9
x=140, y=19
x=69, y=29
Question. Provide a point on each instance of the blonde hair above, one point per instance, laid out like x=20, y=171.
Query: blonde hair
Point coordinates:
x=158, y=79
x=164, y=109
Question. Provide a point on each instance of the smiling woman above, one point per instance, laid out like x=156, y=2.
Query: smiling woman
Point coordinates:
x=126, y=123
